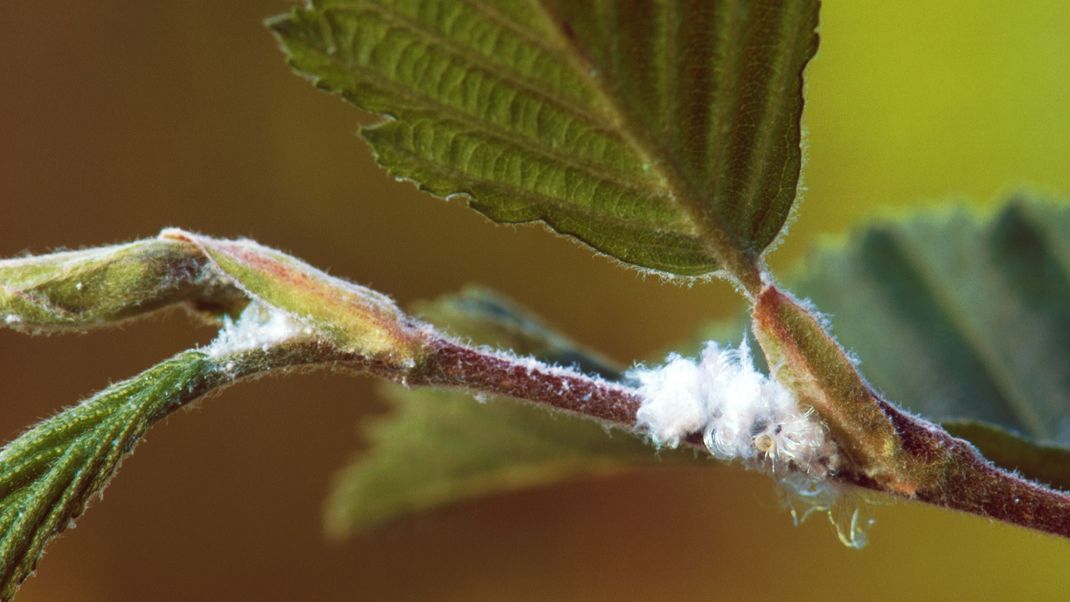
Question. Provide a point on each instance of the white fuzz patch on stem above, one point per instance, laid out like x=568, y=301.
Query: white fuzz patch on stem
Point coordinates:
x=740, y=413
x=746, y=416
x=259, y=327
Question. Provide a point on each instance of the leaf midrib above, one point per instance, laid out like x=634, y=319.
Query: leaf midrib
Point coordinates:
x=729, y=257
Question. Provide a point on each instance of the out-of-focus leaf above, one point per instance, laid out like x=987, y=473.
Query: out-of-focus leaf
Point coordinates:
x=443, y=447
x=963, y=318
x=50, y=473
x=665, y=134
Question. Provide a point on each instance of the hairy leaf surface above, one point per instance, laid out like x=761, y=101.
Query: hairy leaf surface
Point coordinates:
x=665, y=134
x=443, y=447
x=78, y=290
x=354, y=317
x=963, y=318
x=51, y=472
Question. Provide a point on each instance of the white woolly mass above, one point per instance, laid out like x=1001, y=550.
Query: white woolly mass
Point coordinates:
x=259, y=326
x=741, y=413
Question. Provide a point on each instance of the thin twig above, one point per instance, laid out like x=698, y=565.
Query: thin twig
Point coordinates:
x=966, y=482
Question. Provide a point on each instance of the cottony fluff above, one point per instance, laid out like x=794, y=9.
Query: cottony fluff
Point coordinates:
x=741, y=413
x=260, y=326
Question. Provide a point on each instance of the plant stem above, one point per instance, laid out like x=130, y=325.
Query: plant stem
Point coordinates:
x=961, y=479
x=885, y=449
x=931, y=465
x=453, y=365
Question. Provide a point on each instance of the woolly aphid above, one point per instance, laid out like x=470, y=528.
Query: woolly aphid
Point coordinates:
x=740, y=413
x=743, y=415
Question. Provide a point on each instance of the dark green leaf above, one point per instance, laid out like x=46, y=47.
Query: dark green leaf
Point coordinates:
x=665, y=134
x=53, y=470
x=444, y=447
x=960, y=317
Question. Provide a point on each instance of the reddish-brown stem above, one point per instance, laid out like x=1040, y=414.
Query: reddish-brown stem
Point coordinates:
x=970, y=483
x=452, y=365
x=956, y=475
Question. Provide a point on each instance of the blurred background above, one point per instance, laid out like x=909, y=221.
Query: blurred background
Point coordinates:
x=118, y=118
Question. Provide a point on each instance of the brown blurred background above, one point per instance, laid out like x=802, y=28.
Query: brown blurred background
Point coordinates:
x=120, y=118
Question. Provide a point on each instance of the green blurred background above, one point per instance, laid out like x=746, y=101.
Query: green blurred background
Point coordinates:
x=120, y=118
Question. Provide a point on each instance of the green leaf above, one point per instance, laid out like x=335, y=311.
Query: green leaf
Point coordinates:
x=76, y=290
x=963, y=318
x=354, y=318
x=50, y=473
x=444, y=447
x=294, y=315
x=665, y=134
